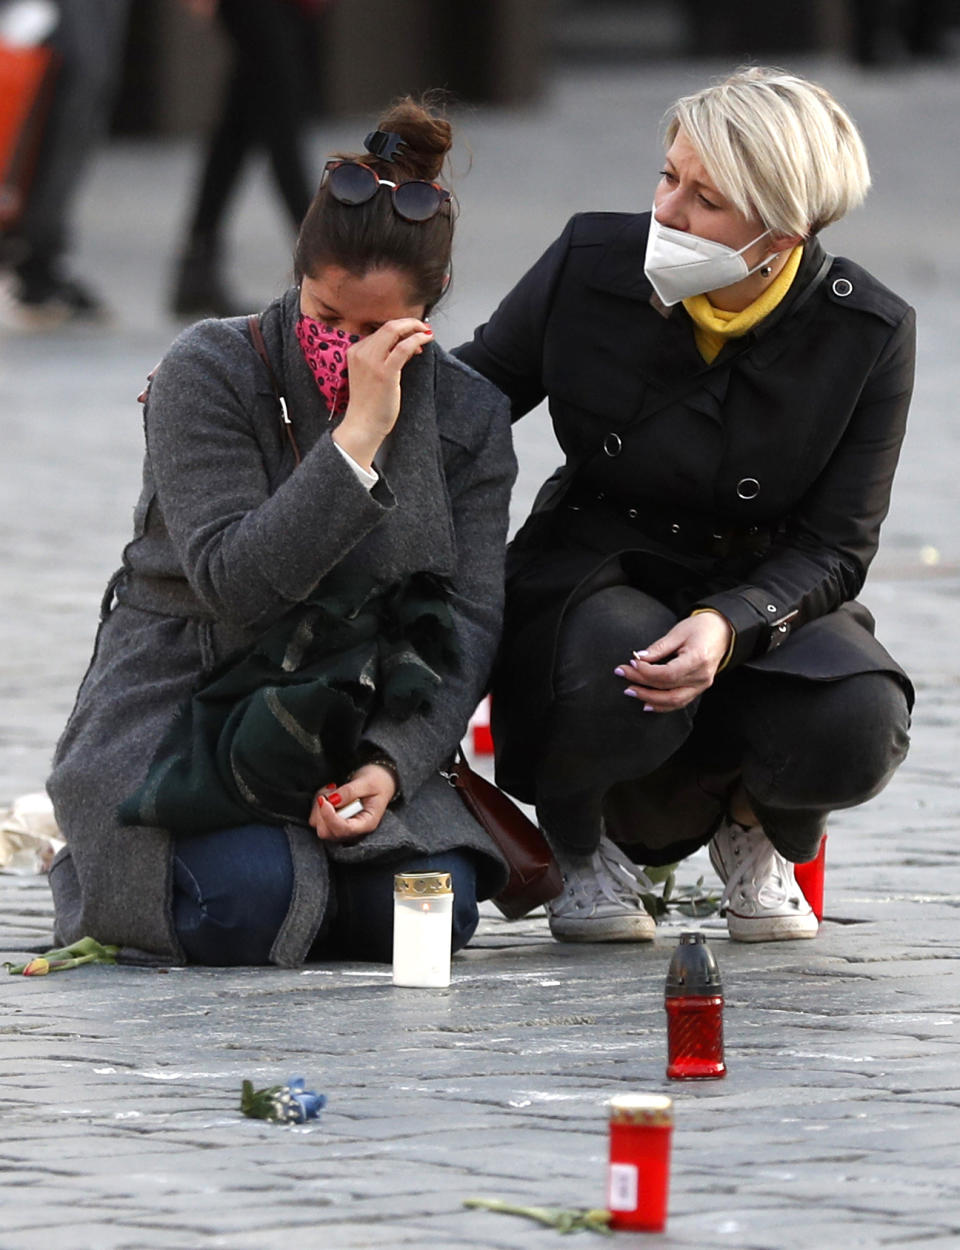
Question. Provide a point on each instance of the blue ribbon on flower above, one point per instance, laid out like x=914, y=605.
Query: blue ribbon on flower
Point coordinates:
x=282, y=1104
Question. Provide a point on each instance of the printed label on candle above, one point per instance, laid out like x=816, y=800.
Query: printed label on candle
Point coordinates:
x=624, y=1188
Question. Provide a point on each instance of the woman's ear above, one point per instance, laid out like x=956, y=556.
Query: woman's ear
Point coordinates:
x=786, y=242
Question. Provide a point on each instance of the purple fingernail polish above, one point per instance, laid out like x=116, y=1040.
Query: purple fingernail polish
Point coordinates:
x=648, y=707
x=631, y=694
x=618, y=672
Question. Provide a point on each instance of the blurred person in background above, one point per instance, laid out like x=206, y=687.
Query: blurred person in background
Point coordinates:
x=888, y=31
x=265, y=105
x=88, y=38
x=329, y=547
x=683, y=658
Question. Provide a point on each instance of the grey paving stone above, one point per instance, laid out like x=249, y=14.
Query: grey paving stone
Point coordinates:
x=839, y=1122
x=104, y=1235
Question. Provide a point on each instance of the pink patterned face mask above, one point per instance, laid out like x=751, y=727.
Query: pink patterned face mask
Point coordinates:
x=325, y=351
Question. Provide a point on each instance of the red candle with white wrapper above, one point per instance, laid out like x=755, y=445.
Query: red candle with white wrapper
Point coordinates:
x=638, y=1180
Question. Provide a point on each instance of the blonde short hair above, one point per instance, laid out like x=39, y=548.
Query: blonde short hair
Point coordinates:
x=778, y=146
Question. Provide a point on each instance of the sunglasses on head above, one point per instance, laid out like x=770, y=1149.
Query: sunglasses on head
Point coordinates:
x=351, y=182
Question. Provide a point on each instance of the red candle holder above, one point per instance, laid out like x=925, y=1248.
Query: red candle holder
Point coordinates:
x=810, y=878
x=693, y=999
x=638, y=1181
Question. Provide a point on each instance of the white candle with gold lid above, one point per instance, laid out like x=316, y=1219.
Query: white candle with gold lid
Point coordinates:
x=422, y=928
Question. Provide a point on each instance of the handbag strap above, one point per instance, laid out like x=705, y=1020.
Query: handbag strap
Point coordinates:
x=260, y=346
x=449, y=773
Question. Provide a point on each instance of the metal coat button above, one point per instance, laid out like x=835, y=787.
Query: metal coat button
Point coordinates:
x=613, y=445
x=748, y=488
x=842, y=287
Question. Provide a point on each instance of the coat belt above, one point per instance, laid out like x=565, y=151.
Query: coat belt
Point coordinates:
x=691, y=533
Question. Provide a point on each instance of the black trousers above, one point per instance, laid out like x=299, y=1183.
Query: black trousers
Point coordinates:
x=264, y=106
x=661, y=781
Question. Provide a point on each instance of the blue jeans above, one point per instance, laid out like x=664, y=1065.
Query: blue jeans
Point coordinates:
x=232, y=891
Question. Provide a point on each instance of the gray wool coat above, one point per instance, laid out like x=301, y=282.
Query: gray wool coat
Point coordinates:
x=228, y=535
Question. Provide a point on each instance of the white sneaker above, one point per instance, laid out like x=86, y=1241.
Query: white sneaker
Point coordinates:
x=601, y=899
x=761, y=898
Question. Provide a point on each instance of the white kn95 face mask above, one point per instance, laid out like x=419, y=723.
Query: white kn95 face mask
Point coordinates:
x=679, y=264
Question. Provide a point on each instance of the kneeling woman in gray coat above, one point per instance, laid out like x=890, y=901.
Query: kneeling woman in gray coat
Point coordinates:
x=308, y=610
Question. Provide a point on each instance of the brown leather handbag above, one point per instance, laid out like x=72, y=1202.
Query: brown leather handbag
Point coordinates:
x=535, y=877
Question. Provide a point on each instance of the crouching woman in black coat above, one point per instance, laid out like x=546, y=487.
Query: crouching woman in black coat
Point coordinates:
x=684, y=659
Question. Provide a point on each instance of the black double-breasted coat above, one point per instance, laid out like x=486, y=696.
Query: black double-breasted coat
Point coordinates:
x=756, y=484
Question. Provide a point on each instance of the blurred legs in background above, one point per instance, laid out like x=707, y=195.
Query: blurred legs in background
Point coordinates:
x=89, y=39
x=264, y=106
x=887, y=31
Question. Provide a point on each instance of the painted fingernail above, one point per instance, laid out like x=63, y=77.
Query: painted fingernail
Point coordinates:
x=648, y=707
x=329, y=786
x=319, y=800
x=640, y=655
x=631, y=693
x=335, y=799
x=619, y=672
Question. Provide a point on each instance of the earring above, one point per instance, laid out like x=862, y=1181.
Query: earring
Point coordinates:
x=767, y=270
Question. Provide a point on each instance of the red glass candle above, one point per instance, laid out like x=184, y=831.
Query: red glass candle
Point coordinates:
x=810, y=879
x=638, y=1181
x=694, y=1003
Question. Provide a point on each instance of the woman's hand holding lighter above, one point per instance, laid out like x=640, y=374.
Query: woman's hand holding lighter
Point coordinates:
x=355, y=808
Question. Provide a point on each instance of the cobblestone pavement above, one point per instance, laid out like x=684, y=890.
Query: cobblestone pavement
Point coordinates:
x=839, y=1121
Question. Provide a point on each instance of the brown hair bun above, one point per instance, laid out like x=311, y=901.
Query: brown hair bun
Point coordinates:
x=427, y=138
x=371, y=235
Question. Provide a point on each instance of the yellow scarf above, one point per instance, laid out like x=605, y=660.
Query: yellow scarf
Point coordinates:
x=712, y=327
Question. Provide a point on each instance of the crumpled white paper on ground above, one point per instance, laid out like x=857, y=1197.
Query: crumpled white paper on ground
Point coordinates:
x=29, y=835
